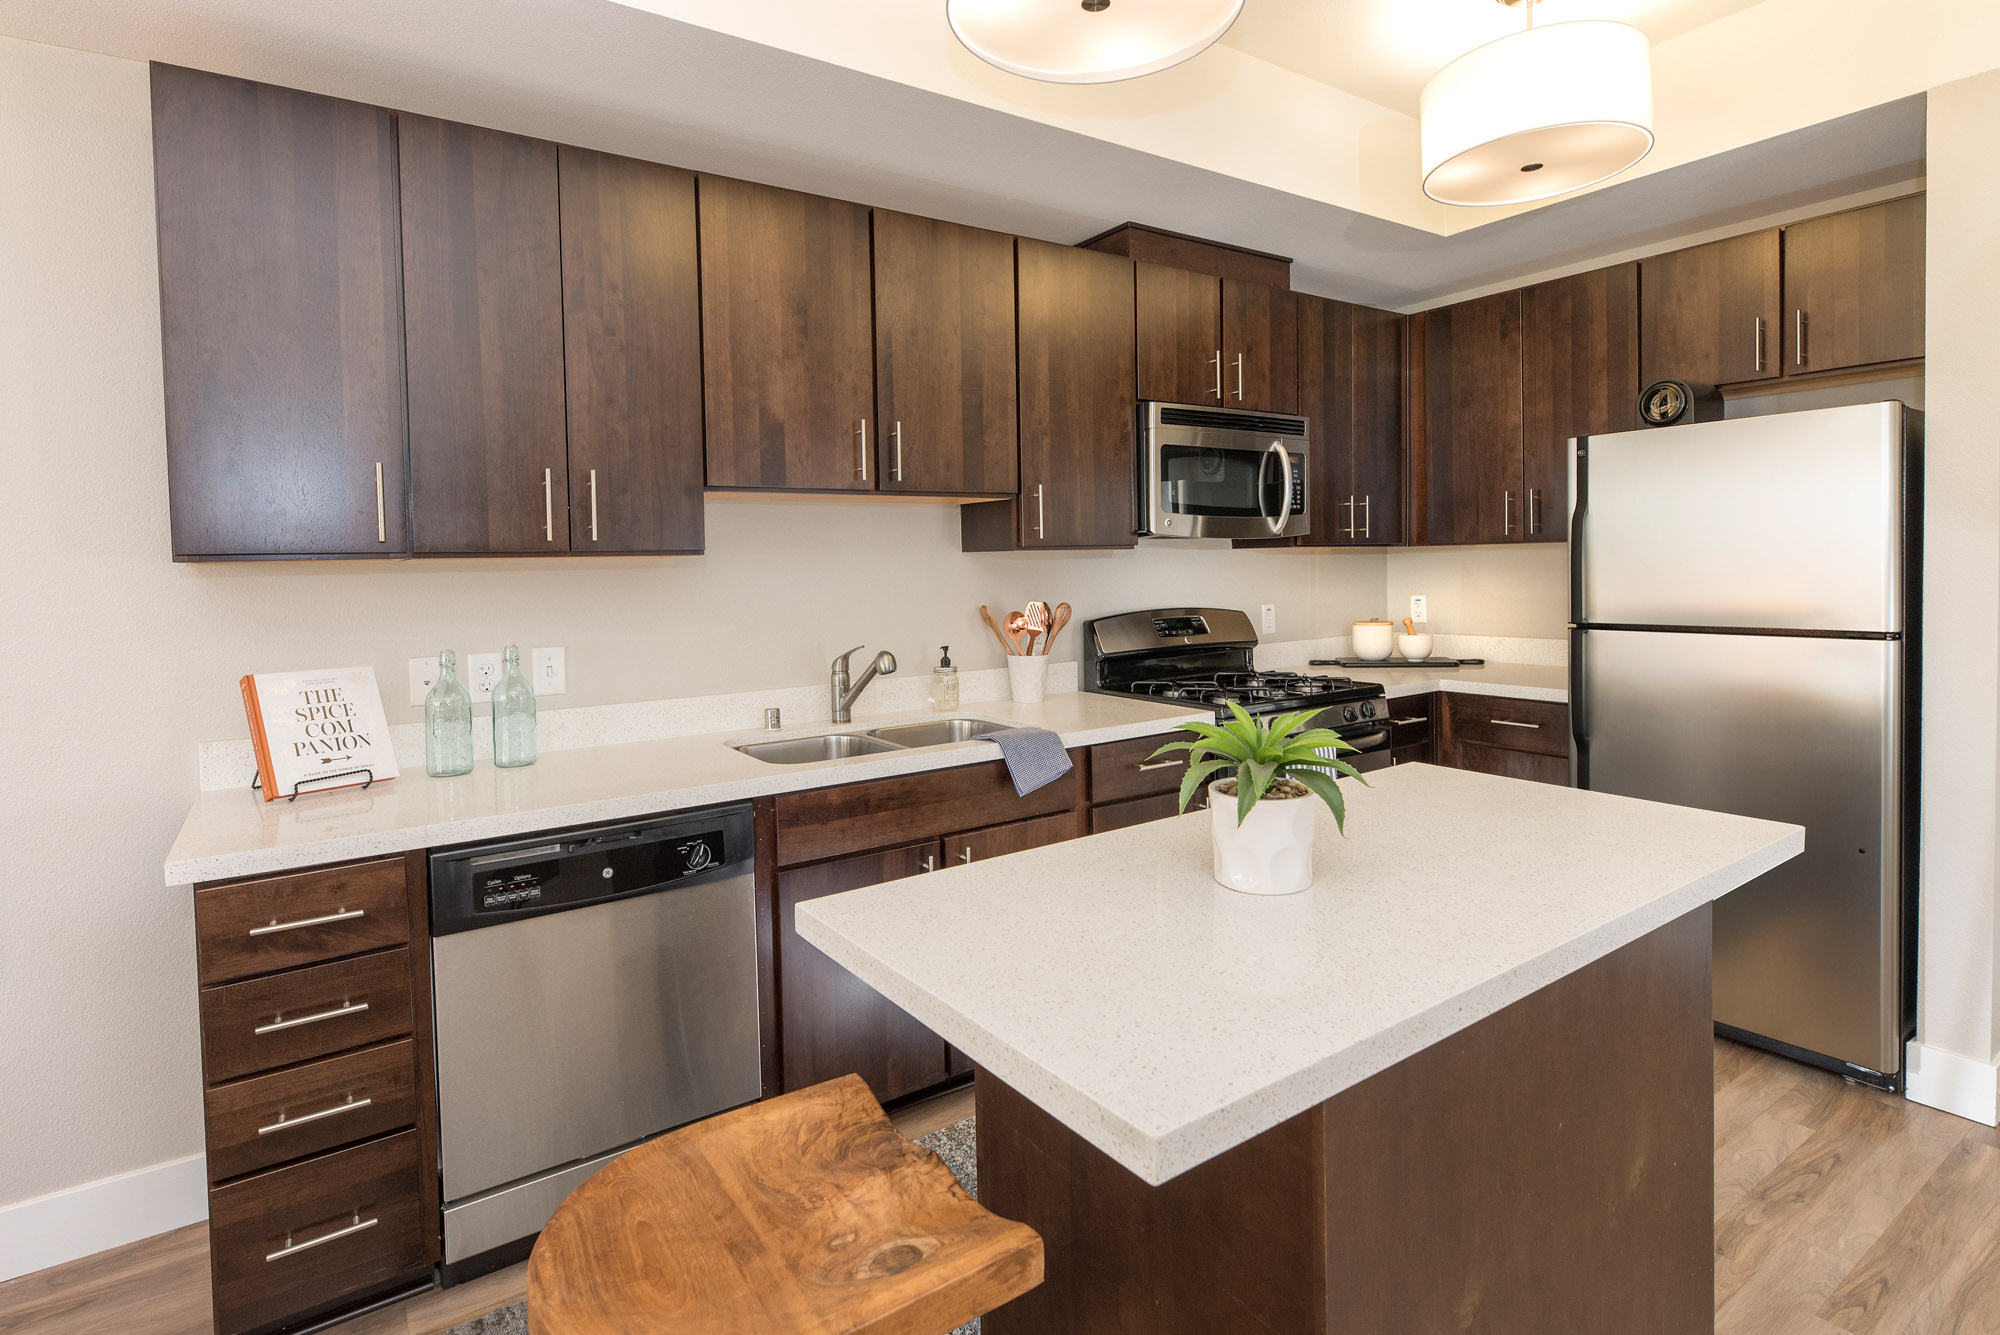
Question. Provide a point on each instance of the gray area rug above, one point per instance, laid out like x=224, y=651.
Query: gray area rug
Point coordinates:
x=955, y=1144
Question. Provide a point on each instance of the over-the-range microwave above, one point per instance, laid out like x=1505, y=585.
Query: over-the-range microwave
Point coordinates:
x=1222, y=473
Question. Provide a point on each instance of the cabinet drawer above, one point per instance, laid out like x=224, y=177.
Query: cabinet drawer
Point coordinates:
x=291, y=1239
x=1537, y=726
x=268, y=1119
x=982, y=845
x=280, y=922
x=1139, y=810
x=833, y=822
x=292, y=1017
x=1121, y=770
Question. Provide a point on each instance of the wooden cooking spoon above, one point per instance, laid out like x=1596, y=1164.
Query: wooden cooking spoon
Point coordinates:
x=1057, y=620
x=1018, y=633
x=986, y=615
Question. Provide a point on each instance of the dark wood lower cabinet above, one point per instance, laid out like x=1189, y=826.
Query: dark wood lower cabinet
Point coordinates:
x=1517, y=739
x=1138, y=811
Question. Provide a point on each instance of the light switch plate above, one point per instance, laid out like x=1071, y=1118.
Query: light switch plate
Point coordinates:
x=482, y=674
x=551, y=677
x=1419, y=607
x=1270, y=618
x=423, y=676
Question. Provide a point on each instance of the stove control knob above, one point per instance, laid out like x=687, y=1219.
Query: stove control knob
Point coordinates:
x=1367, y=710
x=1348, y=713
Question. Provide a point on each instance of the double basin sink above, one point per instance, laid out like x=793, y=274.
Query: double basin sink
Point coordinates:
x=895, y=737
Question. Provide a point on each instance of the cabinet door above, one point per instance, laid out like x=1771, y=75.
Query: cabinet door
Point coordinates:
x=280, y=320
x=482, y=307
x=1000, y=840
x=632, y=348
x=1351, y=389
x=834, y=1023
x=1580, y=377
x=1260, y=347
x=1854, y=288
x=1471, y=405
x=1180, y=335
x=944, y=357
x=1709, y=314
x=788, y=357
x=1079, y=423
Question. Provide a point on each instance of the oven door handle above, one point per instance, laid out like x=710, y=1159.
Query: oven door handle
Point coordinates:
x=1374, y=740
x=1284, y=515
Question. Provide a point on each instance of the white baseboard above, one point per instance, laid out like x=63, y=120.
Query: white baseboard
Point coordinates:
x=82, y=1221
x=1964, y=1086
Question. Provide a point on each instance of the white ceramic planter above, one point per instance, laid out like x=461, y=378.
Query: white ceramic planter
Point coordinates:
x=1268, y=854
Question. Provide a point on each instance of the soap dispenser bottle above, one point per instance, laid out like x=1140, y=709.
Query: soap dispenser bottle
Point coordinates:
x=944, y=683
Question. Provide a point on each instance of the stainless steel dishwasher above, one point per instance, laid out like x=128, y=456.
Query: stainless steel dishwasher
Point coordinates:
x=594, y=987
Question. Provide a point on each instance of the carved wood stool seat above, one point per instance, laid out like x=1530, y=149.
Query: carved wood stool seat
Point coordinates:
x=802, y=1215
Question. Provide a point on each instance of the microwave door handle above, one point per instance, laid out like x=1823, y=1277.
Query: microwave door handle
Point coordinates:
x=1284, y=515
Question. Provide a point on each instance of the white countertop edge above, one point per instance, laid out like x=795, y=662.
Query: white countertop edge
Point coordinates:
x=1158, y=1155
x=780, y=779
x=1474, y=686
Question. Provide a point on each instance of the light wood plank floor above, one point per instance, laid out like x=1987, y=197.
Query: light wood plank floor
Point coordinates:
x=1837, y=1210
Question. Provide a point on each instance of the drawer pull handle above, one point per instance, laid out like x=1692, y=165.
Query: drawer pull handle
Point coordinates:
x=285, y=1123
x=965, y=854
x=275, y=926
x=294, y=1248
x=1159, y=764
x=1510, y=723
x=1401, y=722
x=344, y=1008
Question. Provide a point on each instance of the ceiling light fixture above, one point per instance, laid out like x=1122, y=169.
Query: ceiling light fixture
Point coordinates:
x=1538, y=113
x=1089, y=41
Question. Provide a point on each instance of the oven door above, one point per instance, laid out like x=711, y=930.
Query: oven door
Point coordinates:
x=1204, y=482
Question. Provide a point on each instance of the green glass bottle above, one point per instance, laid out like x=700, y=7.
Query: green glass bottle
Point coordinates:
x=513, y=715
x=447, y=723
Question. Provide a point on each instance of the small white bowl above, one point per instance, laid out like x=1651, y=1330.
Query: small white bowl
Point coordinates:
x=1413, y=646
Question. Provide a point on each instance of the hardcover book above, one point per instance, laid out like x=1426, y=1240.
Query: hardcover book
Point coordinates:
x=313, y=730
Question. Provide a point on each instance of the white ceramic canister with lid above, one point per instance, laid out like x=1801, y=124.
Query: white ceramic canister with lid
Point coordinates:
x=1373, y=639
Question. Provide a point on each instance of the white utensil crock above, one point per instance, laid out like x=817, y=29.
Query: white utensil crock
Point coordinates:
x=1413, y=646
x=1372, y=639
x=1027, y=677
x=1268, y=854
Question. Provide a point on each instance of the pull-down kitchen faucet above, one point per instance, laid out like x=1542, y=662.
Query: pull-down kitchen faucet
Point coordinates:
x=845, y=695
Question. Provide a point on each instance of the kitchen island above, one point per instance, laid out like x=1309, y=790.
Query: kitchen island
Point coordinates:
x=1462, y=1083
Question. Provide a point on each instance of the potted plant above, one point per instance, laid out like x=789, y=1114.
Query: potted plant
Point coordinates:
x=1261, y=815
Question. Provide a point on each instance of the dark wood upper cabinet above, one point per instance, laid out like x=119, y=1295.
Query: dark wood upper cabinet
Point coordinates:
x=1580, y=377
x=1709, y=314
x=1351, y=389
x=482, y=302
x=1179, y=315
x=1854, y=288
x=1466, y=383
x=833, y=1023
x=944, y=357
x=788, y=357
x=1260, y=347
x=1079, y=423
x=632, y=348
x=281, y=320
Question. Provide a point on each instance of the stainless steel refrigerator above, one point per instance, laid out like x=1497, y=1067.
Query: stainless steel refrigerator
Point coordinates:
x=1744, y=609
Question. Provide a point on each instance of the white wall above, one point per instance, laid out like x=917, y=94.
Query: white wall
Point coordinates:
x=120, y=661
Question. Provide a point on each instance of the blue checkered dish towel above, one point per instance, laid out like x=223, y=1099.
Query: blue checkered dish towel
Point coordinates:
x=1035, y=757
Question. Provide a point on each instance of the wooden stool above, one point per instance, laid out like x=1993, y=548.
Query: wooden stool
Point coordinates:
x=802, y=1215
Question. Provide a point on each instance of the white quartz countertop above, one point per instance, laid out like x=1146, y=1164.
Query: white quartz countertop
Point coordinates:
x=1166, y=1019
x=235, y=833
x=1520, y=681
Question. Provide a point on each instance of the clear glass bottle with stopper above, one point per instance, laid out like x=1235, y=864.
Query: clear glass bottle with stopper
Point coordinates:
x=944, y=683
x=513, y=715
x=447, y=722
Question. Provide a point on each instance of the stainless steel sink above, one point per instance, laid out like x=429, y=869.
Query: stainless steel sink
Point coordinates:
x=831, y=746
x=938, y=732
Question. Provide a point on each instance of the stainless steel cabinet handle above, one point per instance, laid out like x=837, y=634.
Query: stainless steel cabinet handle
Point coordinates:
x=1041, y=514
x=1799, y=337
x=1159, y=764
x=285, y=1123
x=863, y=433
x=1511, y=723
x=899, y=451
x=381, y=515
x=548, y=504
x=1506, y=513
x=294, y=1248
x=1534, y=511
x=1367, y=524
x=930, y=862
x=1349, y=530
x=1400, y=722
x=593, y=505
x=1757, y=342
x=1217, y=360
x=275, y=926
x=344, y=1008
x=965, y=855
x=1239, y=377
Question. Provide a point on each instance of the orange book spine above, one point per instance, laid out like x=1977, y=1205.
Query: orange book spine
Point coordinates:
x=258, y=741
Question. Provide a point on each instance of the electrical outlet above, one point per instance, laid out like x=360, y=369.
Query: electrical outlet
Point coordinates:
x=1270, y=618
x=423, y=676
x=1419, y=607
x=551, y=677
x=482, y=674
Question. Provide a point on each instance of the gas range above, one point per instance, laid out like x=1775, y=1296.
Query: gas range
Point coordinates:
x=1203, y=655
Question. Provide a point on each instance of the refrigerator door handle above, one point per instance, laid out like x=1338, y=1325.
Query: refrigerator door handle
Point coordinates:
x=1579, y=712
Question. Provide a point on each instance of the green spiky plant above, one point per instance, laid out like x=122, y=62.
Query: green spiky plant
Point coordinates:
x=1263, y=753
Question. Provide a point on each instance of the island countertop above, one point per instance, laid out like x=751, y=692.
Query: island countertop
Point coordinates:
x=1165, y=1019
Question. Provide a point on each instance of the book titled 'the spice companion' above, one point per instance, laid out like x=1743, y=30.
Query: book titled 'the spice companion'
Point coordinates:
x=309, y=727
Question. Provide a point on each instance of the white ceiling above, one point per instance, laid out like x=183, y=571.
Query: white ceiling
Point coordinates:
x=1013, y=157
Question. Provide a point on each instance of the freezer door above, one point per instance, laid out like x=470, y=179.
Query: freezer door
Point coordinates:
x=1791, y=521
x=1791, y=729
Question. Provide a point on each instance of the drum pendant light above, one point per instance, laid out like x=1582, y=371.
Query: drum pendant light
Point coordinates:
x=1538, y=113
x=1089, y=41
